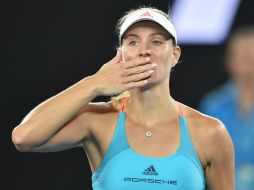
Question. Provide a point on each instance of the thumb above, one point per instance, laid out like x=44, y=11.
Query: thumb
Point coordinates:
x=119, y=56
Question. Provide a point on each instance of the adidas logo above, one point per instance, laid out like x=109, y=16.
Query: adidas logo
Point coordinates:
x=146, y=14
x=150, y=171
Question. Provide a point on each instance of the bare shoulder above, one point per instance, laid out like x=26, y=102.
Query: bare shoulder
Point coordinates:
x=198, y=121
x=209, y=135
x=94, y=111
x=100, y=116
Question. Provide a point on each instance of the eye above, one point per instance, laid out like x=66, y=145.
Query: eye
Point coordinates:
x=156, y=42
x=133, y=43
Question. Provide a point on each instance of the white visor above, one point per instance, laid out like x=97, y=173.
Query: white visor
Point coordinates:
x=150, y=15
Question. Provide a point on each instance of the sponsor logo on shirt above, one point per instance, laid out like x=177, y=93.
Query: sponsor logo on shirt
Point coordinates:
x=150, y=171
x=144, y=180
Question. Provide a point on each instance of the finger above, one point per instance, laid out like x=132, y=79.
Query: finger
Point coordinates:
x=138, y=62
x=137, y=84
x=119, y=55
x=138, y=77
x=117, y=58
x=139, y=69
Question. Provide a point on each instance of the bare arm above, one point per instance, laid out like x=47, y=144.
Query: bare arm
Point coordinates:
x=62, y=121
x=47, y=119
x=220, y=171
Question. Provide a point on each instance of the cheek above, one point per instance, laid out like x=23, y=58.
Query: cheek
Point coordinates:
x=128, y=53
x=163, y=65
x=165, y=58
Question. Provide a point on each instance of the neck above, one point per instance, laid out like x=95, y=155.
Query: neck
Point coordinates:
x=151, y=105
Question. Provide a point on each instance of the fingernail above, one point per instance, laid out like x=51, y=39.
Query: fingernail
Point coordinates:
x=153, y=65
x=151, y=71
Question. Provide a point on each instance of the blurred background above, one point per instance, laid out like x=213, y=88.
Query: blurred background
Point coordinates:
x=46, y=46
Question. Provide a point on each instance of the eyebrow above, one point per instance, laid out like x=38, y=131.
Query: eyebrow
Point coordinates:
x=157, y=33
x=131, y=35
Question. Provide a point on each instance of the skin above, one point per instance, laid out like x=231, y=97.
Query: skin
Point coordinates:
x=142, y=66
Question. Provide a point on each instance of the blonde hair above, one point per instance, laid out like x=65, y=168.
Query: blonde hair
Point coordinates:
x=116, y=101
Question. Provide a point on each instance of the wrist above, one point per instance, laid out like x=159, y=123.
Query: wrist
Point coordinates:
x=93, y=85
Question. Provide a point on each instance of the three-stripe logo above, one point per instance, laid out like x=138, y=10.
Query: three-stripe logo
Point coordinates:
x=150, y=171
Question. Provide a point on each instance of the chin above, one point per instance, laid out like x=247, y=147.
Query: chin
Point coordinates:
x=152, y=82
x=156, y=80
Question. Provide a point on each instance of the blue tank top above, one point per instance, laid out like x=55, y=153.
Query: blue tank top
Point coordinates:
x=124, y=169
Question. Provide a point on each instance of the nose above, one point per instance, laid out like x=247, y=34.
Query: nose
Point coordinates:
x=144, y=49
x=145, y=53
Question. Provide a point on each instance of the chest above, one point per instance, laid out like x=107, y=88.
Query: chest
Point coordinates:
x=156, y=141
x=165, y=140
x=129, y=170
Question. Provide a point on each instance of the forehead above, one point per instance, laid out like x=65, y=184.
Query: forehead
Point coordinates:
x=146, y=25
